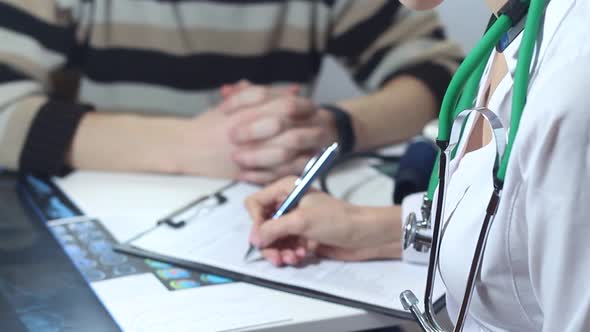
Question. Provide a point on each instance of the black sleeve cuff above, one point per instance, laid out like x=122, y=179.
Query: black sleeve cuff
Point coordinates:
x=436, y=77
x=50, y=137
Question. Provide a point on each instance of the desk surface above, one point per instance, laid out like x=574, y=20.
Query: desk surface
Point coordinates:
x=40, y=290
x=310, y=314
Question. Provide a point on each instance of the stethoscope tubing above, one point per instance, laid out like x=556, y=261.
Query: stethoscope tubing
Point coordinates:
x=473, y=64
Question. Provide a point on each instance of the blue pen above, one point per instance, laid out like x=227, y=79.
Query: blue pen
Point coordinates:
x=317, y=166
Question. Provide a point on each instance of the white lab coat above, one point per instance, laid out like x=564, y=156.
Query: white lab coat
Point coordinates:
x=537, y=263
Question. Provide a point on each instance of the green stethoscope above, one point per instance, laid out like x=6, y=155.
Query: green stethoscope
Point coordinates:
x=457, y=105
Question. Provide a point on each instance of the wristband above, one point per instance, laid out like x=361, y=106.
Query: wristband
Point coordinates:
x=346, y=136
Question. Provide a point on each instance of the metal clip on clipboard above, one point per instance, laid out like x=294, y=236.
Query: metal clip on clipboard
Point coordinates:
x=193, y=210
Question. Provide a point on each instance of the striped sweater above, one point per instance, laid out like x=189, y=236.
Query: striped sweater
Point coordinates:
x=62, y=58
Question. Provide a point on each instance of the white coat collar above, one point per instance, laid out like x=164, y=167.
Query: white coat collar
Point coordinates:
x=557, y=10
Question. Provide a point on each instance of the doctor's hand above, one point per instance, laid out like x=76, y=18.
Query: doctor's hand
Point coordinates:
x=274, y=130
x=321, y=225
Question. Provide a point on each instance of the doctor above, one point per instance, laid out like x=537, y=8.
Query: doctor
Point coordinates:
x=537, y=260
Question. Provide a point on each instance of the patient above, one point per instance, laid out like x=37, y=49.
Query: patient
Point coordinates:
x=216, y=88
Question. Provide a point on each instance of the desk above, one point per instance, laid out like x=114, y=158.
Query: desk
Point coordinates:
x=307, y=314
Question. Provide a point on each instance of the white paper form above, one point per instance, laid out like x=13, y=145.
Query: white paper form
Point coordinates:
x=127, y=204
x=141, y=304
x=220, y=239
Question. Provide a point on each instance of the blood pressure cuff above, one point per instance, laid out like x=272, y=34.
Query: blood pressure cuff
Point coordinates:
x=415, y=168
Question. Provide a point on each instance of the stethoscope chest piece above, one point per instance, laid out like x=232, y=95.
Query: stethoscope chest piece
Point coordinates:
x=418, y=233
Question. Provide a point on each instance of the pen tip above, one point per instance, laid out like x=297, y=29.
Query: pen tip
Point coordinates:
x=249, y=252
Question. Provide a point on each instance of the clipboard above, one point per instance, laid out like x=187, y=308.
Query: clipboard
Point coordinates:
x=218, y=200
x=35, y=188
x=439, y=304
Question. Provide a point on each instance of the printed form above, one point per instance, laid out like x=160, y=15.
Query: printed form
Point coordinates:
x=219, y=238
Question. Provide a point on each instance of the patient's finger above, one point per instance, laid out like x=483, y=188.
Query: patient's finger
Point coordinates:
x=253, y=95
x=255, y=126
x=267, y=175
x=265, y=157
x=228, y=90
x=270, y=118
x=301, y=138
